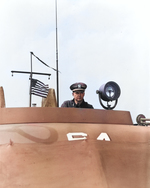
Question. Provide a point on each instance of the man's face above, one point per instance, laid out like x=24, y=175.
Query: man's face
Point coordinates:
x=78, y=96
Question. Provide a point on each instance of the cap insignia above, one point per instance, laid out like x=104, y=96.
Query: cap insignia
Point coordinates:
x=79, y=85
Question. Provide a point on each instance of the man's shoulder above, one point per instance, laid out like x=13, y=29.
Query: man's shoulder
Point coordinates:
x=87, y=105
x=68, y=103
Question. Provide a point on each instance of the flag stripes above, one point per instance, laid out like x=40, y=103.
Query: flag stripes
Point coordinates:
x=39, y=88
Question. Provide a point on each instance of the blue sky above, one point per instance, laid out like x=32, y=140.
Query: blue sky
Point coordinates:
x=98, y=41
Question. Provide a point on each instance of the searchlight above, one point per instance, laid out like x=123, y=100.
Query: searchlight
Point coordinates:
x=109, y=92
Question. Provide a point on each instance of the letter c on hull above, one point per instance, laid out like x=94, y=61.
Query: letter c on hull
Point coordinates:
x=77, y=136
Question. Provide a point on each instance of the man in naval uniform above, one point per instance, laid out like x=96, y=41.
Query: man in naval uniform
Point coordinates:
x=78, y=92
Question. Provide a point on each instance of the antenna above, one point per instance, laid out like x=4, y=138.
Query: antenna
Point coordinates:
x=57, y=76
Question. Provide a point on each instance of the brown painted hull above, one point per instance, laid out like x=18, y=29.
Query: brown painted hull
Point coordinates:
x=35, y=151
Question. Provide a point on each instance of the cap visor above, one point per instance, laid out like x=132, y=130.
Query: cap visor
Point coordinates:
x=78, y=90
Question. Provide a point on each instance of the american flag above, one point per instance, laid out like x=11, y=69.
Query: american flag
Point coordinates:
x=39, y=88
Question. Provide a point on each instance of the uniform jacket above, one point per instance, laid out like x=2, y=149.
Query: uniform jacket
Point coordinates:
x=72, y=104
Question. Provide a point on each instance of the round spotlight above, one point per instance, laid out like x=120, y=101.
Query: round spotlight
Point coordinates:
x=109, y=92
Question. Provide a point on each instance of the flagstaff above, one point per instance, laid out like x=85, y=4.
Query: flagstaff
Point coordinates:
x=30, y=79
x=34, y=81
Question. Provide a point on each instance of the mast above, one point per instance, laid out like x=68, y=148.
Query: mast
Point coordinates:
x=57, y=76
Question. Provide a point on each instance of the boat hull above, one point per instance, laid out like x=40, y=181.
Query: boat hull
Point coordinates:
x=40, y=155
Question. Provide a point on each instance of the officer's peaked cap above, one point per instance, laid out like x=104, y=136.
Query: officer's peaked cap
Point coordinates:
x=78, y=86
